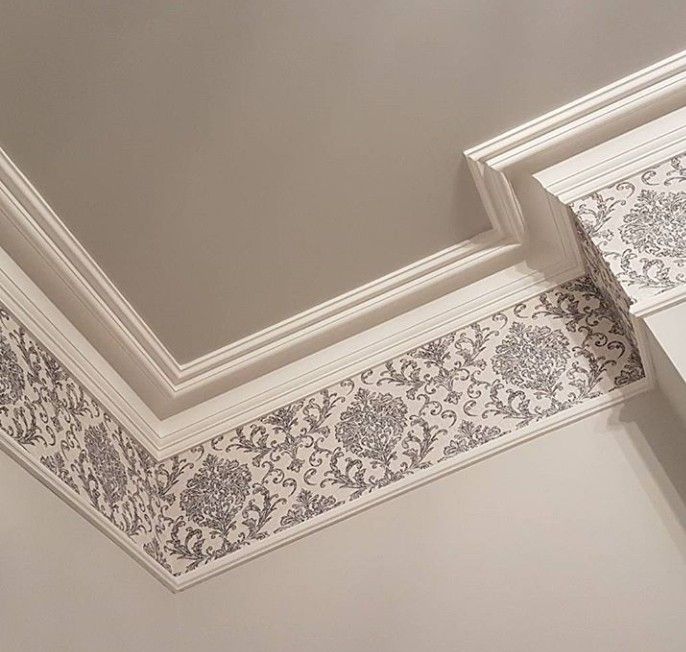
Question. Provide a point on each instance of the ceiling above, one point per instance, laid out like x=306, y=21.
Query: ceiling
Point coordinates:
x=229, y=164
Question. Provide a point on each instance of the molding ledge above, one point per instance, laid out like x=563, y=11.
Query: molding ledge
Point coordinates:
x=41, y=243
x=530, y=247
x=171, y=408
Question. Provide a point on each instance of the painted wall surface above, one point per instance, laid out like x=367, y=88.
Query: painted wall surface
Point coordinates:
x=574, y=541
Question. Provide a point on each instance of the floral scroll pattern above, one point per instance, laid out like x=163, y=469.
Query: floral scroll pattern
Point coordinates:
x=440, y=400
x=433, y=403
x=608, y=286
x=639, y=228
x=56, y=421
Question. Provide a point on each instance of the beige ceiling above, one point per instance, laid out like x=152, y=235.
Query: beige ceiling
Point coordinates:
x=230, y=164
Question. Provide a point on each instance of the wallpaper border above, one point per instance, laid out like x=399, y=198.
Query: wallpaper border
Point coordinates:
x=345, y=511
x=416, y=481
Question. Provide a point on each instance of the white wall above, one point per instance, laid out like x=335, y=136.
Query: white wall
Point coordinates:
x=573, y=542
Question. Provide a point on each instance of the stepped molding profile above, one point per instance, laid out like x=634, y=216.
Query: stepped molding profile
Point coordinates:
x=174, y=405
x=525, y=177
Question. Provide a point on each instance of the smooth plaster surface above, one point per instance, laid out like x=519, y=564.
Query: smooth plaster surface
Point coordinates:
x=230, y=164
x=574, y=541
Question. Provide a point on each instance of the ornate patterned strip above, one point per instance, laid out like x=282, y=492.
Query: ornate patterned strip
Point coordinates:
x=608, y=286
x=639, y=227
x=438, y=401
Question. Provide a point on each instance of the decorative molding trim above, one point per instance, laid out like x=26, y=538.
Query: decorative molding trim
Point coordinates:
x=660, y=86
x=30, y=305
x=616, y=159
x=155, y=371
x=556, y=135
x=171, y=406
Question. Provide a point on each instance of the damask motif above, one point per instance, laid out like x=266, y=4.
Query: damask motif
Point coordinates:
x=532, y=357
x=639, y=227
x=11, y=375
x=437, y=401
x=215, y=494
x=372, y=425
x=106, y=463
x=656, y=224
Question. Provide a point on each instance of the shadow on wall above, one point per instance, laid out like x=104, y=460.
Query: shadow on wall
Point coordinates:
x=657, y=442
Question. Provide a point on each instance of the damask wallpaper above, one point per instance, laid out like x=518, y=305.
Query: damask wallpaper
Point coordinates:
x=433, y=403
x=639, y=227
x=608, y=286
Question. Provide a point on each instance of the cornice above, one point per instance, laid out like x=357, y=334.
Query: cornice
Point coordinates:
x=617, y=158
x=531, y=248
x=34, y=235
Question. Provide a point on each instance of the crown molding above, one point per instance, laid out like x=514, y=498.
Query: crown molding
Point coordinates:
x=41, y=243
x=617, y=158
x=651, y=92
x=530, y=248
x=561, y=134
x=171, y=406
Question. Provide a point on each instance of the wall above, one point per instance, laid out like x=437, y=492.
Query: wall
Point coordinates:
x=575, y=541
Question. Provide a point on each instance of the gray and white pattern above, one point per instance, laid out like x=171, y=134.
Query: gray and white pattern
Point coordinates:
x=639, y=227
x=437, y=401
x=56, y=421
x=609, y=287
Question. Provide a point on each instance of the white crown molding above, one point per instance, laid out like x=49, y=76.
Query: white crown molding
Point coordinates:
x=566, y=131
x=47, y=323
x=617, y=158
x=34, y=235
x=650, y=92
x=530, y=248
